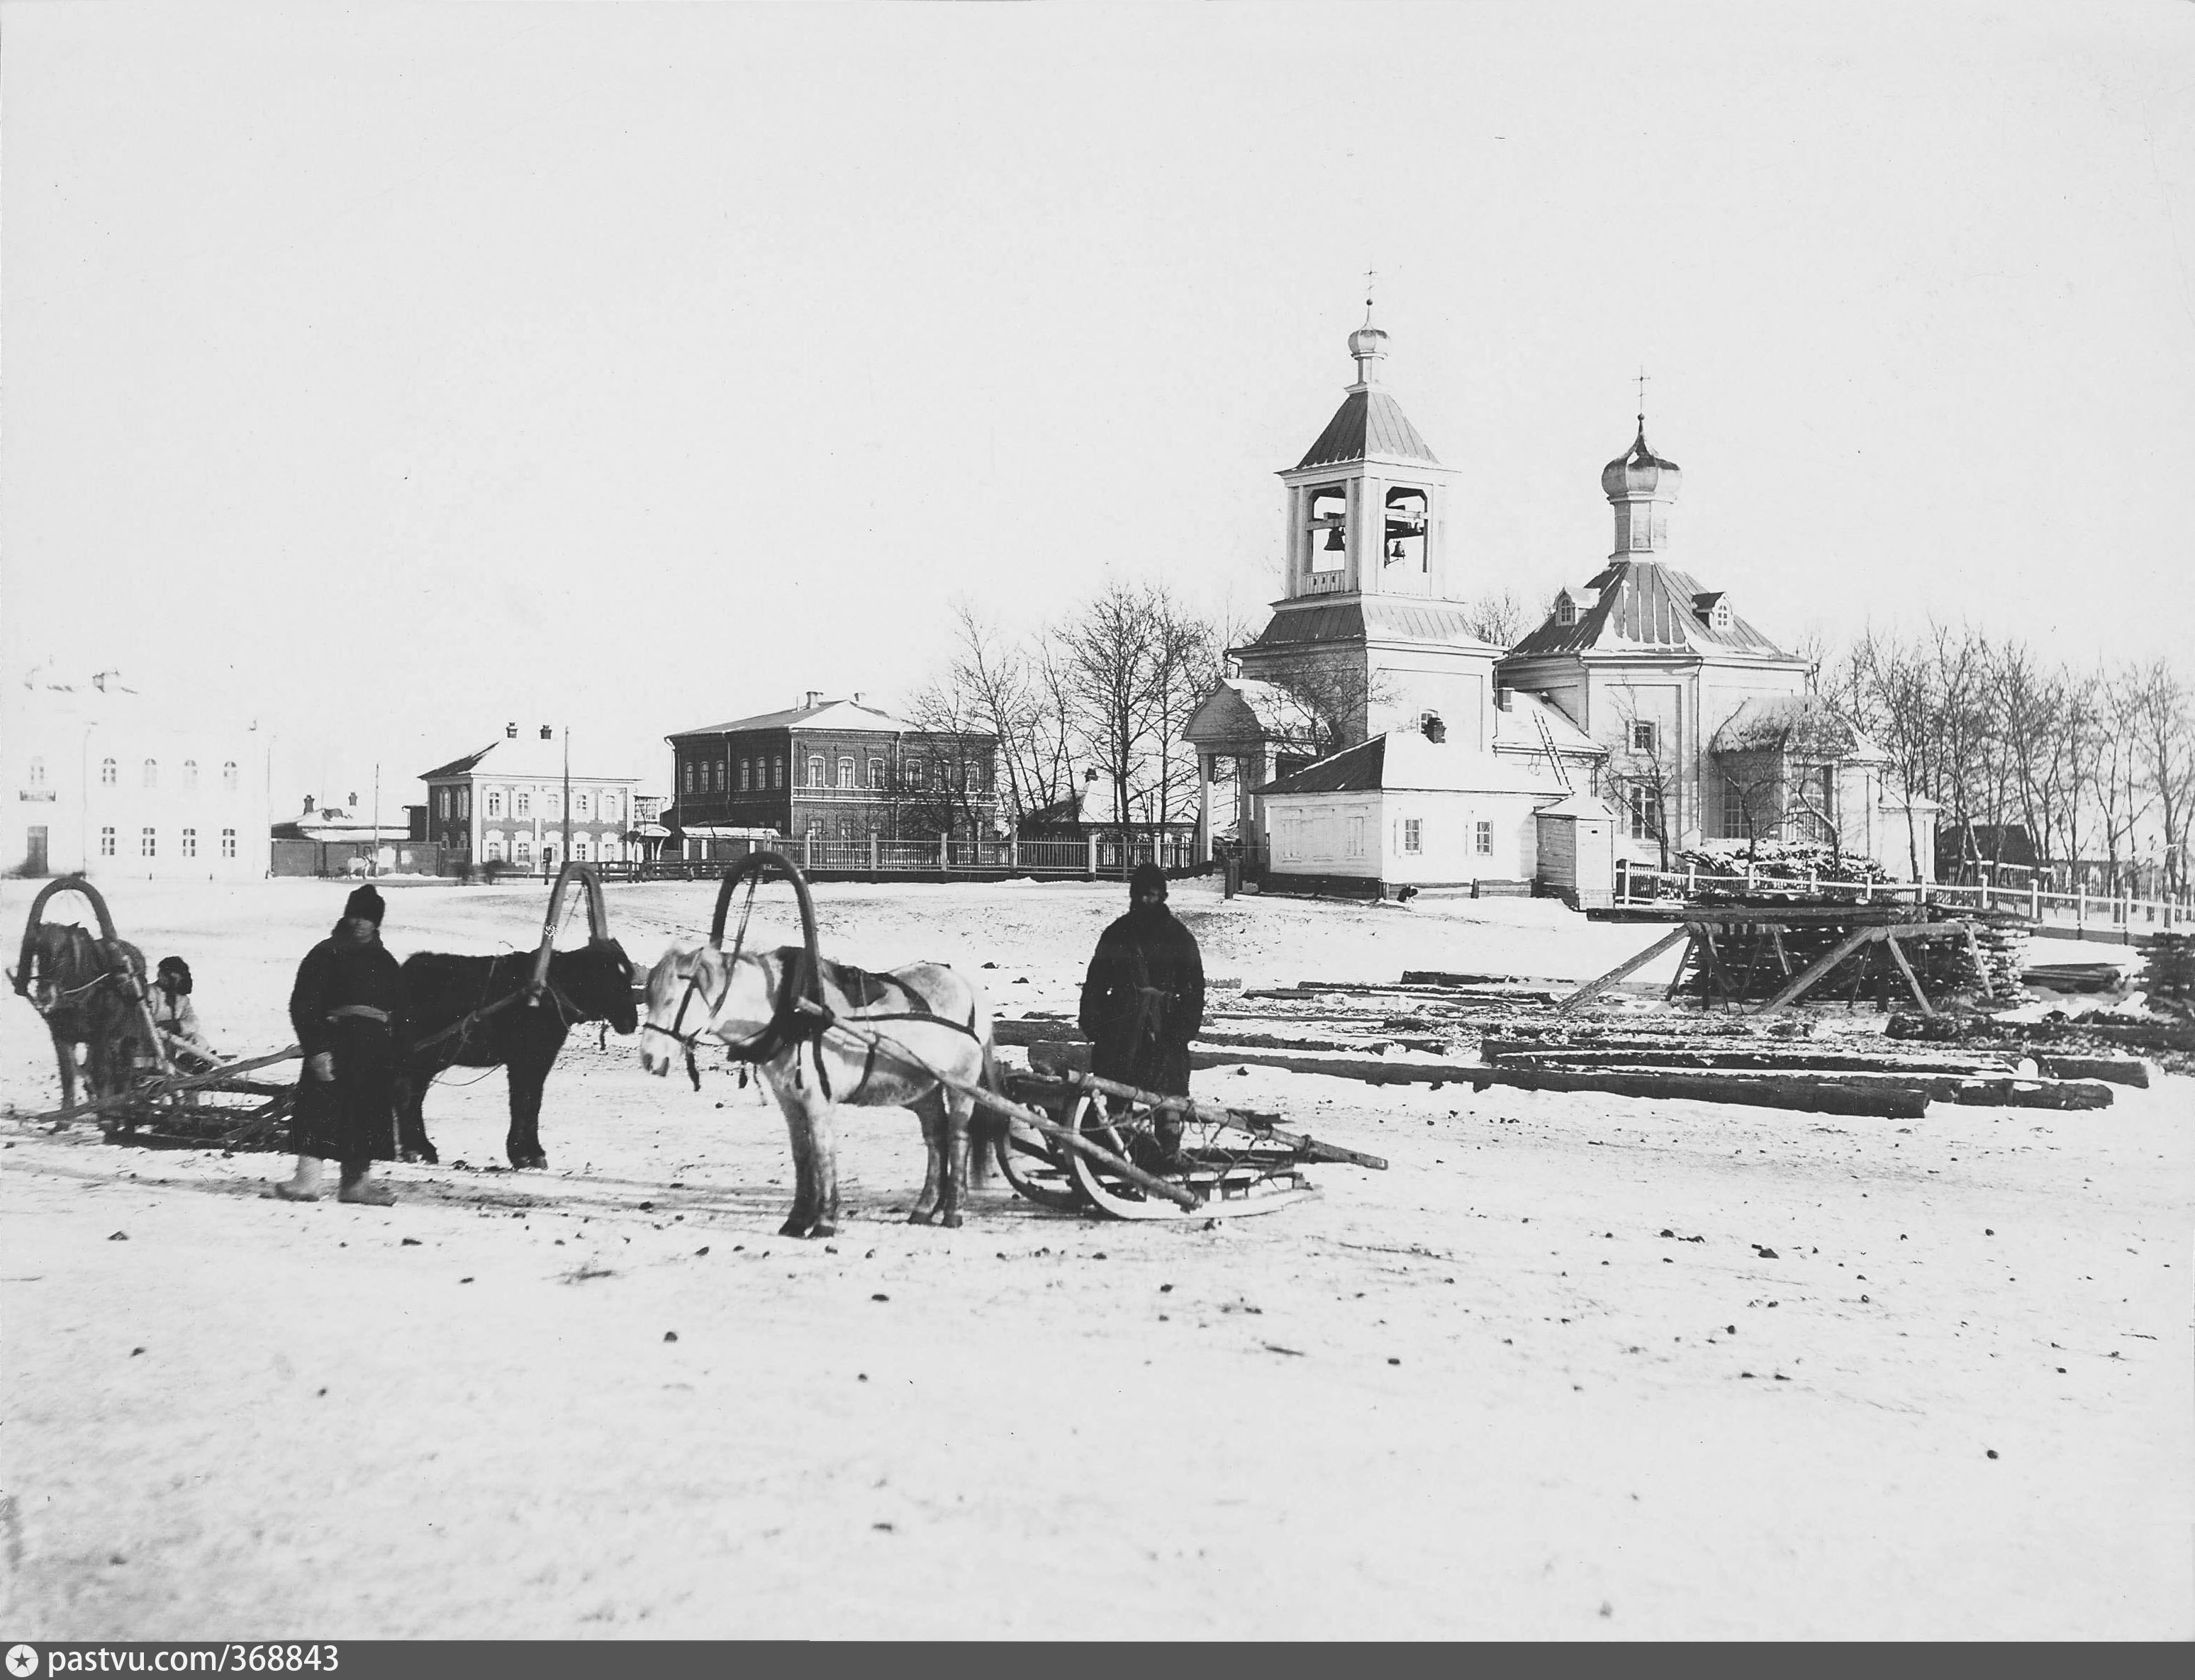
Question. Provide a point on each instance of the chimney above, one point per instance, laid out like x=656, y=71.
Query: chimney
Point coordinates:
x=511, y=731
x=354, y=802
x=857, y=697
x=308, y=804
x=813, y=697
x=1506, y=699
x=547, y=733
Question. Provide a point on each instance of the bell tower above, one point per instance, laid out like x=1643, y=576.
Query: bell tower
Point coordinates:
x=1368, y=505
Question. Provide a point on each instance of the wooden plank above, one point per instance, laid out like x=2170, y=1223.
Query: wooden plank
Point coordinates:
x=165, y=1087
x=1633, y=966
x=1884, y=1101
x=1836, y=954
x=1912, y=980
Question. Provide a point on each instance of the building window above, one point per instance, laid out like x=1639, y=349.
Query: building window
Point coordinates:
x=579, y=806
x=190, y=843
x=876, y=773
x=190, y=772
x=107, y=772
x=491, y=848
x=522, y=805
x=37, y=772
x=1412, y=834
x=690, y=777
x=1813, y=804
x=228, y=775
x=578, y=848
x=747, y=777
x=1733, y=809
x=1645, y=738
x=152, y=773
x=553, y=803
x=228, y=842
x=442, y=802
x=495, y=803
x=525, y=852
x=1566, y=609
x=777, y=771
x=1645, y=807
x=148, y=845
x=1482, y=839
x=107, y=839
x=815, y=770
x=846, y=771
x=464, y=804
x=609, y=807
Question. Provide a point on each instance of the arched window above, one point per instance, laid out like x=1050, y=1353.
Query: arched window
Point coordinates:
x=442, y=802
x=492, y=845
x=690, y=776
x=152, y=774
x=876, y=773
x=228, y=775
x=464, y=804
x=610, y=806
x=107, y=772
x=815, y=769
x=777, y=771
x=846, y=768
x=745, y=765
x=37, y=772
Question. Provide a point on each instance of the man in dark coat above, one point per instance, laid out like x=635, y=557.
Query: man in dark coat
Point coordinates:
x=348, y=1009
x=1142, y=1000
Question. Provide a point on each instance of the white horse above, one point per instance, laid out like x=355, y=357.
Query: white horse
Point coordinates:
x=750, y=1002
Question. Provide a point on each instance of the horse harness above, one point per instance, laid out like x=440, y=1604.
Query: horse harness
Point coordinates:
x=791, y=1025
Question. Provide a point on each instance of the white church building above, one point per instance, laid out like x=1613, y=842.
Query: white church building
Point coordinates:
x=1375, y=741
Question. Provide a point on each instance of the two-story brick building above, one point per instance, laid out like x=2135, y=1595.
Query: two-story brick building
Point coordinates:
x=835, y=771
x=505, y=804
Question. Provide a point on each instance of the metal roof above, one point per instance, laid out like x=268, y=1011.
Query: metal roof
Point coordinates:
x=523, y=755
x=1367, y=423
x=827, y=714
x=1644, y=604
x=1375, y=618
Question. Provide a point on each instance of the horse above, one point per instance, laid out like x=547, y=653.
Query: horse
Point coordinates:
x=83, y=997
x=750, y=1001
x=594, y=983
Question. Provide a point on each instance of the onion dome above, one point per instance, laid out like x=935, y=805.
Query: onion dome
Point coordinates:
x=1641, y=472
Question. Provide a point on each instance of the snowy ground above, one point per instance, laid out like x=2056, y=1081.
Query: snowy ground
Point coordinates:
x=1479, y=1394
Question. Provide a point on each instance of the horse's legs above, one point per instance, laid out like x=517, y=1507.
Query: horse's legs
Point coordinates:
x=953, y=1149
x=793, y=1105
x=823, y=1165
x=523, y=1145
x=412, y=1141
x=64, y=1054
x=937, y=1167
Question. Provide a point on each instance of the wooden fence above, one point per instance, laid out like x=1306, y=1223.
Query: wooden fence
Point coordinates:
x=1091, y=857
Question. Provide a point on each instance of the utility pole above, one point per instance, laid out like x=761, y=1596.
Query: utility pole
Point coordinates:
x=376, y=869
x=567, y=855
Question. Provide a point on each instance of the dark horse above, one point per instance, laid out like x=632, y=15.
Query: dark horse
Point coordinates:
x=523, y=1038
x=84, y=1000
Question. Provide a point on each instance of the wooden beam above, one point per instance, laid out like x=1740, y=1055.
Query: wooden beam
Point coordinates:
x=1593, y=986
x=1912, y=980
x=1821, y=965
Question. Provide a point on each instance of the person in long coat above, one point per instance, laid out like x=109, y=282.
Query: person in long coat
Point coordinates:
x=1142, y=1000
x=348, y=1009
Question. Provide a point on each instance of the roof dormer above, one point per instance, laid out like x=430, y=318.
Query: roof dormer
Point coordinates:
x=1712, y=609
x=1566, y=612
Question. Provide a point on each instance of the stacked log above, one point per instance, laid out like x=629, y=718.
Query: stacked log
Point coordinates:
x=2168, y=969
x=2003, y=941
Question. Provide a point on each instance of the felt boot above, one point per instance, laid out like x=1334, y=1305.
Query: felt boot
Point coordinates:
x=360, y=1185
x=304, y=1185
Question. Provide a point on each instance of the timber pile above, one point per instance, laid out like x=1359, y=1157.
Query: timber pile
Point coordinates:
x=2003, y=941
x=2169, y=969
x=2051, y=1036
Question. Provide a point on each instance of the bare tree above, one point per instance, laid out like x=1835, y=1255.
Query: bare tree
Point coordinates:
x=1504, y=618
x=2158, y=720
x=1326, y=706
x=1133, y=663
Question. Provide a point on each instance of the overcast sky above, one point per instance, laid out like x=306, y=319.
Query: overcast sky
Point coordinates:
x=392, y=372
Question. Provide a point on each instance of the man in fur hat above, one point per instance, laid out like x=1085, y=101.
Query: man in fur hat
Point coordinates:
x=348, y=1009
x=1142, y=1000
